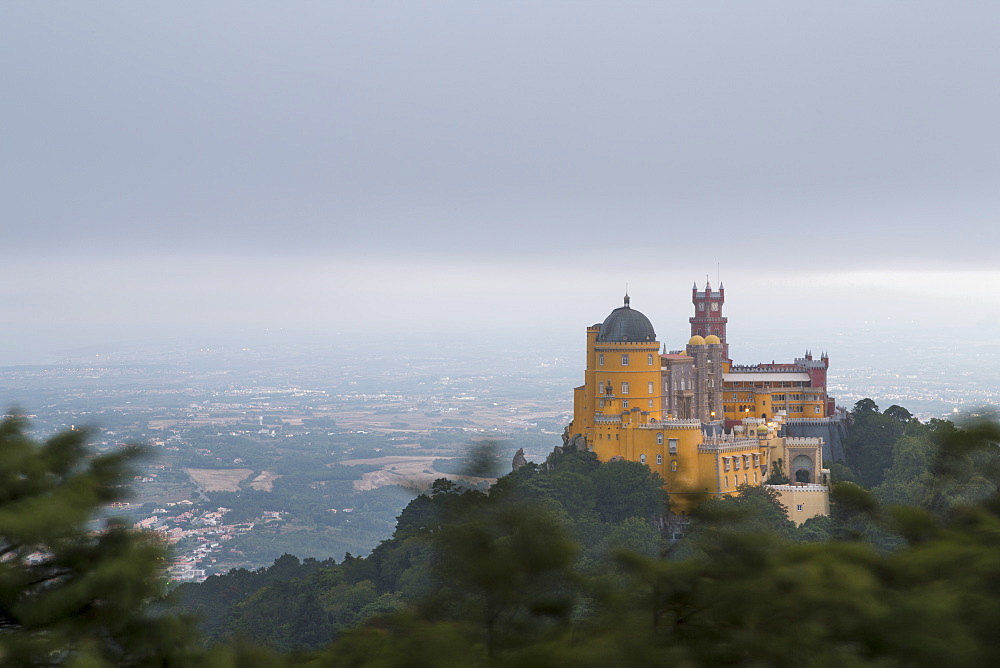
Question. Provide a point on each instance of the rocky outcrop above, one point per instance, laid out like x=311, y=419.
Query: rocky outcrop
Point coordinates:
x=519, y=460
x=575, y=443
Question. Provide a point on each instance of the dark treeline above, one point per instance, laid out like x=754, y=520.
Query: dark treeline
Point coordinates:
x=558, y=564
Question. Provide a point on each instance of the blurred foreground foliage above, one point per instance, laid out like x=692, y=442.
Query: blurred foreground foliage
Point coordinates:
x=72, y=589
x=561, y=564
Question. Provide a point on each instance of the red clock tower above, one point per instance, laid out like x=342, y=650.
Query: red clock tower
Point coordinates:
x=708, y=318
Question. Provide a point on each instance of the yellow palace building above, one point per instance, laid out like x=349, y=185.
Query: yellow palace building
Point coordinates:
x=674, y=412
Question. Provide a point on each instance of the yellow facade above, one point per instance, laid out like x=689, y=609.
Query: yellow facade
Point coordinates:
x=803, y=502
x=797, y=401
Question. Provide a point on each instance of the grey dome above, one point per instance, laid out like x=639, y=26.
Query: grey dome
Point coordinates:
x=625, y=324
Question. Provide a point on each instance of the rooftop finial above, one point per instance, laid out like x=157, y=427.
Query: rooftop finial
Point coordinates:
x=627, y=300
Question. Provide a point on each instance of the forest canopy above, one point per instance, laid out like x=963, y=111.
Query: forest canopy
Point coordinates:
x=559, y=562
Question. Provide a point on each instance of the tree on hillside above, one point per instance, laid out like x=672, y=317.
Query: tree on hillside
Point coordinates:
x=907, y=478
x=753, y=509
x=624, y=489
x=72, y=588
x=506, y=569
x=871, y=437
x=899, y=414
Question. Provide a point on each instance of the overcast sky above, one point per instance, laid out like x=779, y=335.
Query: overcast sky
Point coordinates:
x=395, y=167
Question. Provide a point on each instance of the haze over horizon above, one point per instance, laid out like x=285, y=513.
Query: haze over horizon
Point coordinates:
x=351, y=170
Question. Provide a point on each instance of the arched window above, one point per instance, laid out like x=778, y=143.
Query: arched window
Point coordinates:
x=600, y=360
x=642, y=459
x=659, y=460
x=673, y=465
x=624, y=360
x=649, y=360
x=659, y=438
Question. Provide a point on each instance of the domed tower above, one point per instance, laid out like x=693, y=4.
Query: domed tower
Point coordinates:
x=622, y=375
x=708, y=319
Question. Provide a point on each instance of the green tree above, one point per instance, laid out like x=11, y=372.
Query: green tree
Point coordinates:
x=907, y=478
x=753, y=509
x=71, y=588
x=871, y=437
x=777, y=475
x=624, y=489
x=509, y=568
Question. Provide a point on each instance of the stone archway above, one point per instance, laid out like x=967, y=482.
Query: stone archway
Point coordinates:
x=802, y=469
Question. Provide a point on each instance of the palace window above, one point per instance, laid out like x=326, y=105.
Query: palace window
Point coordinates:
x=649, y=360
x=602, y=403
x=624, y=360
x=600, y=387
x=727, y=481
x=659, y=459
x=815, y=409
x=736, y=462
x=798, y=507
x=624, y=388
x=672, y=446
x=600, y=360
x=673, y=465
x=649, y=387
x=659, y=438
x=726, y=461
x=755, y=477
x=642, y=459
x=625, y=403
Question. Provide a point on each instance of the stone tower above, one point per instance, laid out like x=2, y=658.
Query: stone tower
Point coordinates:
x=708, y=318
